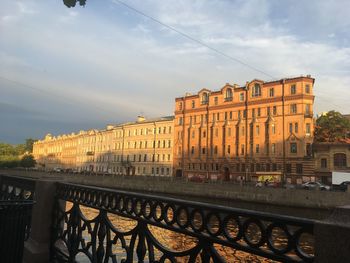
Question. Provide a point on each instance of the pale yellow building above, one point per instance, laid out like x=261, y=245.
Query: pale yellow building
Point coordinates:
x=143, y=147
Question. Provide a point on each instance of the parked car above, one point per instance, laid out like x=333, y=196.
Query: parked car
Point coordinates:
x=344, y=186
x=58, y=170
x=315, y=185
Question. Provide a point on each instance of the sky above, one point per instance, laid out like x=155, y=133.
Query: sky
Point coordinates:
x=68, y=69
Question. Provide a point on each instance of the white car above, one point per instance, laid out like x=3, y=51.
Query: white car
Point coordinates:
x=315, y=185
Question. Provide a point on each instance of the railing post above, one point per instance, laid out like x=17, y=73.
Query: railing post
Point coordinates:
x=37, y=247
x=332, y=237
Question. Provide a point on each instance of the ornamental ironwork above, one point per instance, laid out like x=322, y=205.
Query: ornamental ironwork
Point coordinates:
x=280, y=238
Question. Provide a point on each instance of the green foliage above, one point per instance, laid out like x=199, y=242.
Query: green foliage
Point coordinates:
x=8, y=161
x=27, y=161
x=10, y=155
x=332, y=127
x=29, y=144
x=72, y=3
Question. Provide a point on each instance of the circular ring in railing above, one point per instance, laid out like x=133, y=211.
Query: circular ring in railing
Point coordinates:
x=197, y=220
x=233, y=229
x=254, y=233
x=157, y=210
x=138, y=207
x=304, y=251
x=278, y=233
x=213, y=224
x=182, y=217
x=169, y=214
x=147, y=209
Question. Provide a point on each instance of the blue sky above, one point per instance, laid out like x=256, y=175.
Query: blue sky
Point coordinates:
x=63, y=70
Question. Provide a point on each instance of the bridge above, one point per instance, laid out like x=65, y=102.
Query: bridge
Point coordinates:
x=60, y=231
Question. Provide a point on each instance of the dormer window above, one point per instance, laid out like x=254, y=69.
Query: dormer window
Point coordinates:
x=228, y=95
x=205, y=98
x=256, y=91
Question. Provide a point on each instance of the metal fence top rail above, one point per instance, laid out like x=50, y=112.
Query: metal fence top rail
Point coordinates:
x=192, y=204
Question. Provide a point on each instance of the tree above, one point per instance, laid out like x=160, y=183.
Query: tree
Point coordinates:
x=332, y=127
x=29, y=144
x=27, y=161
x=72, y=3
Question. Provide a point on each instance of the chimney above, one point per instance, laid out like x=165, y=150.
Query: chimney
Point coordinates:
x=140, y=118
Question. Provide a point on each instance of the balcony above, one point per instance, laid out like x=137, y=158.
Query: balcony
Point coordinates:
x=309, y=115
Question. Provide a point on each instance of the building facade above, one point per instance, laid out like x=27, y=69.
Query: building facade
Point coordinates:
x=144, y=147
x=243, y=131
x=331, y=157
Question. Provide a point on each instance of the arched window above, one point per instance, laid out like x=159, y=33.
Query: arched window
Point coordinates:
x=339, y=160
x=228, y=95
x=256, y=92
x=205, y=98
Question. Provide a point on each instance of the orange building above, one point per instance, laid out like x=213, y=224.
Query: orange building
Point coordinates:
x=246, y=131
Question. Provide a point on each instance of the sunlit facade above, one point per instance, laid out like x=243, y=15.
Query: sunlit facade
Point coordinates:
x=241, y=132
x=144, y=147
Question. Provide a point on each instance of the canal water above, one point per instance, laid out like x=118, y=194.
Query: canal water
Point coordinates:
x=180, y=242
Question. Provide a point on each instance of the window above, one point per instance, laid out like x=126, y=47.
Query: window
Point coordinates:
x=273, y=148
x=192, y=150
x=293, y=89
x=203, y=150
x=299, y=168
x=307, y=108
x=339, y=160
x=204, y=134
x=216, y=149
x=257, y=129
x=253, y=113
x=229, y=132
x=308, y=129
x=293, y=147
x=307, y=88
x=245, y=114
x=257, y=148
x=293, y=108
x=256, y=92
x=216, y=100
x=290, y=127
x=272, y=92
x=228, y=96
x=193, y=134
x=273, y=128
x=259, y=112
x=296, y=127
x=193, y=104
x=180, y=105
x=180, y=121
x=323, y=163
x=274, y=110
x=241, y=96
x=225, y=116
x=205, y=98
x=229, y=149
x=288, y=168
x=242, y=149
x=268, y=110
x=308, y=149
x=216, y=132
x=230, y=115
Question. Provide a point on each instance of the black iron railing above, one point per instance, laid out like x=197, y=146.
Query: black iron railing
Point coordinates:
x=213, y=228
x=16, y=188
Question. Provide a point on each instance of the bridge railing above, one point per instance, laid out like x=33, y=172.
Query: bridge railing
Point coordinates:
x=212, y=229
